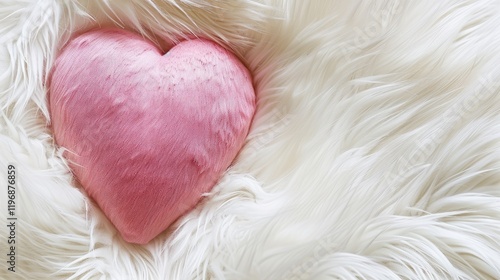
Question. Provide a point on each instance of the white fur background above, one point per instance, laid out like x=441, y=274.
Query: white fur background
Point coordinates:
x=375, y=152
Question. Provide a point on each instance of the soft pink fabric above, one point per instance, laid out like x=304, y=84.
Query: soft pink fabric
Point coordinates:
x=148, y=133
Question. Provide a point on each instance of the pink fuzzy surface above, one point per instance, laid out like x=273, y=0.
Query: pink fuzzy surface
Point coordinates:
x=147, y=134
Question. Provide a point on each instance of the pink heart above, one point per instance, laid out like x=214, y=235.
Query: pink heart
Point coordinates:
x=147, y=134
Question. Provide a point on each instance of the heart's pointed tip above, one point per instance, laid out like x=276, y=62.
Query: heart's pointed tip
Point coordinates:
x=136, y=239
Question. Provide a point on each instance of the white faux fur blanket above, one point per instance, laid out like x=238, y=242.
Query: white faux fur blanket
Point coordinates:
x=375, y=152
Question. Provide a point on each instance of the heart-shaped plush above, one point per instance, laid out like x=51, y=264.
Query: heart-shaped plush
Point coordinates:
x=148, y=133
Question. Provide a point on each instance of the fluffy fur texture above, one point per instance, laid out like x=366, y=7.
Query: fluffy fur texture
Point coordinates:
x=374, y=152
x=147, y=133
